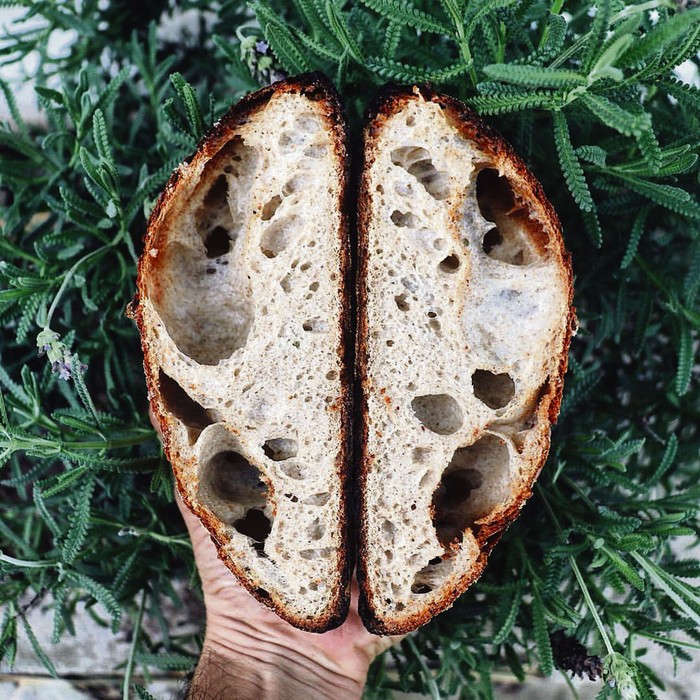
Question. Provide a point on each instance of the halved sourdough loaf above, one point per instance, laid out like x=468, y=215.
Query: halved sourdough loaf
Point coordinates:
x=243, y=311
x=465, y=317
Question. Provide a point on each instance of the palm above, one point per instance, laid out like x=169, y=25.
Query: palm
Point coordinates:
x=347, y=649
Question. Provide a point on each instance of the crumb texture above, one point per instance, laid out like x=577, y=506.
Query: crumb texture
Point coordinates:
x=466, y=314
x=242, y=312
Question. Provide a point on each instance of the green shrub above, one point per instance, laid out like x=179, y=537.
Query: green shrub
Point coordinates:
x=589, y=99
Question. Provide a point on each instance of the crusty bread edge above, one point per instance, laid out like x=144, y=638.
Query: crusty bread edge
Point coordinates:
x=318, y=88
x=389, y=100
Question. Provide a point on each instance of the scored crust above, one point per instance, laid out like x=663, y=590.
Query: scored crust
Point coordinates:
x=178, y=195
x=379, y=394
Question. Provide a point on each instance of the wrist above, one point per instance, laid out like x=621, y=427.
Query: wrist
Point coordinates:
x=247, y=666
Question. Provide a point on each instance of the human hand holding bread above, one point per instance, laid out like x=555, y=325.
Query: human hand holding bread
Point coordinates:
x=449, y=365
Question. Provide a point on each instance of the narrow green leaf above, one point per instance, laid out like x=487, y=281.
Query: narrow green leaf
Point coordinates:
x=506, y=103
x=624, y=568
x=79, y=521
x=612, y=115
x=686, y=357
x=104, y=148
x=101, y=594
x=501, y=633
x=659, y=37
x=167, y=662
x=321, y=50
x=407, y=13
x=188, y=96
x=592, y=154
x=571, y=168
x=635, y=237
x=673, y=198
x=142, y=693
x=395, y=70
x=534, y=76
x=38, y=650
x=596, y=36
x=341, y=31
x=13, y=108
x=391, y=40
x=541, y=634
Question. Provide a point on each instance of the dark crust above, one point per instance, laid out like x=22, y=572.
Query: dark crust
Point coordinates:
x=390, y=100
x=317, y=88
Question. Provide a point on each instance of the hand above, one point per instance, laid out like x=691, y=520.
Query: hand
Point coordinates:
x=249, y=652
x=241, y=629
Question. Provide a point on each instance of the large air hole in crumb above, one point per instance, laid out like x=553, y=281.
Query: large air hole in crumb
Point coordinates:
x=233, y=489
x=417, y=162
x=315, y=530
x=256, y=525
x=207, y=335
x=439, y=413
x=402, y=219
x=278, y=449
x=323, y=553
x=316, y=150
x=209, y=315
x=473, y=484
x=495, y=390
x=270, y=208
x=293, y=470
x=402, y=302
x=178, y=402
x=450, y=264
x=315, y=325
x=217, y=242
x=317, y=499
x=431, y=576
x=278, y=236
x=216, y=197
x=512, y=239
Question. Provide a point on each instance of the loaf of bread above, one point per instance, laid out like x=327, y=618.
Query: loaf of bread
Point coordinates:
x=460, y=340
x=464, y=322
x=244, y=316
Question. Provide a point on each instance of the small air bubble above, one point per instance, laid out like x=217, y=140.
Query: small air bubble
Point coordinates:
x=450, y=264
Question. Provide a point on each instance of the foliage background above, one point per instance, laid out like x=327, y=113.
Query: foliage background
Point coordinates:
x=589, y=98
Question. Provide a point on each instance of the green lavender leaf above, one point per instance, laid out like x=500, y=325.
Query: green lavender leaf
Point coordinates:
x=635, y=237
x=187, y=94
x=571, y=168
x=686, y=357
x=406, y=12
x=534, y=76
x=79, y=521
x=659, y=37
x=38, y=649
x=541, y=634
x=395, y=70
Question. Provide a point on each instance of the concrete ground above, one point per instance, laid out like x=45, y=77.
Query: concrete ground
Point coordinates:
x=89, y=664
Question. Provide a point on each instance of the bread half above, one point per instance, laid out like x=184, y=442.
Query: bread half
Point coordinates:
x=243, y=311
x=465, y=317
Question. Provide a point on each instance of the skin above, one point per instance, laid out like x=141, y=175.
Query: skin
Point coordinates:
x=250, y=653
